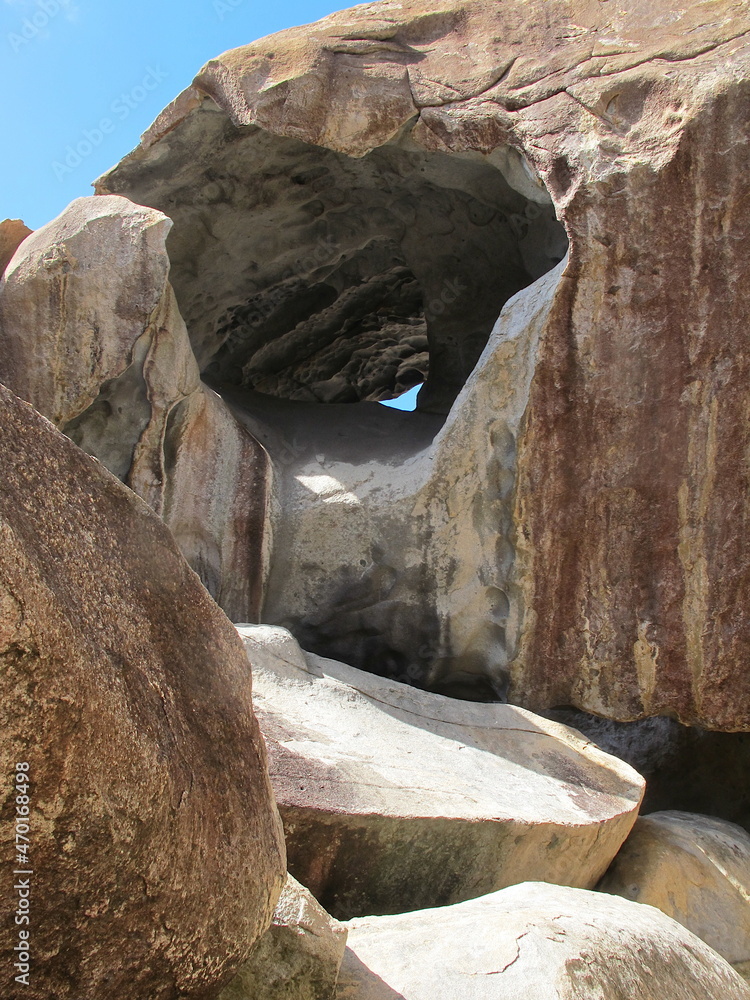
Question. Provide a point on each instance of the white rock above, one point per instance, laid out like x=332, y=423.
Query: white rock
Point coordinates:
x=533, y=942
x=396, y=799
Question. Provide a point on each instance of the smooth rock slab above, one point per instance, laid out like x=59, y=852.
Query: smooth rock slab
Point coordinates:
x=693, y=868
x=533, y=942
x=299, y=956
x=396, y=799
x=156, y=847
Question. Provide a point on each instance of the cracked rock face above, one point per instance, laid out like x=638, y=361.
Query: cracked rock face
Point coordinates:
x=127, y=693
x=345, y=191
x=533, y=940
x=396, y=799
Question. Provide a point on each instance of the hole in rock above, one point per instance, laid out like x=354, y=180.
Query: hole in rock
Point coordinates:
x=315, y=285
x=309, y=275
x=407, y=401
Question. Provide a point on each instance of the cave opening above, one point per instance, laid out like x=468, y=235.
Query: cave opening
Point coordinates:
x=309, y=275
x=316, y=286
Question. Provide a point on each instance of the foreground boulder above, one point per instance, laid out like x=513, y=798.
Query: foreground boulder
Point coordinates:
x=401, y=169
x=156, y=848
x=299, y=956
x=396, y=799
x=533, y=941
x=693, y=868
x=91, y=335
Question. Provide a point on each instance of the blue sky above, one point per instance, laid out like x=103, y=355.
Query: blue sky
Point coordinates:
x=84, y=78
x=67, y=66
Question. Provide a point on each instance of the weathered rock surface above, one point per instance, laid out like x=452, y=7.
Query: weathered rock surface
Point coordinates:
x=12, y=233
x=533, y=941
x=156, y=847
x=693, y=868
x=605, y=505
x=395, y=799
x=91, y=335
x=299, y=956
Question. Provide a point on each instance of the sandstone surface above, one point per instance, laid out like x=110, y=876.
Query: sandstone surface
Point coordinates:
x=695, y=869
x=394, y=174
x=397, y=799
x=533, y=941
x=156, y=848
x=299, y=956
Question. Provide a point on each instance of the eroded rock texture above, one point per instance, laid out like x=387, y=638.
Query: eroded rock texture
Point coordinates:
x=156, y=848
x=576, y=531
x=395, y=799
x=91, y=335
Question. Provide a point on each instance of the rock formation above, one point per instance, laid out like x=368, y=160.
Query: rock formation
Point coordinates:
x=156, y=848
x=536, y=212
x=533, y=940
x=397, y=799
x=299, y=956
x=344, y=191
x=693, y=868
x=90, y=334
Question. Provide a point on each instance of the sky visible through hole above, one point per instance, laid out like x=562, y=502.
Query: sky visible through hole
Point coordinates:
x=406, y=401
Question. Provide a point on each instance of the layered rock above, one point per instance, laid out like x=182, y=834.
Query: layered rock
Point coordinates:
x=533, y=940
x=601, y=518
x=91, y=335
x=694, y=868
x=299, y=956
x=127, y=693
x=396, y=799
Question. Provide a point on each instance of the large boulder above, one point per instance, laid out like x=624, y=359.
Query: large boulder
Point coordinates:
x=91, y=335
x=693, y=868
x=397, y=799
x=299, y=956
x=398, y=168
x=155, y=845
x=533, y=941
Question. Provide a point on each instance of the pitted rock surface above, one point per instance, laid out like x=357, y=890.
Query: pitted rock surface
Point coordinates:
x=127, y=692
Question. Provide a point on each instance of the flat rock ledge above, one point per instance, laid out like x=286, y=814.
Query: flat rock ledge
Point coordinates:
x=397, y=799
